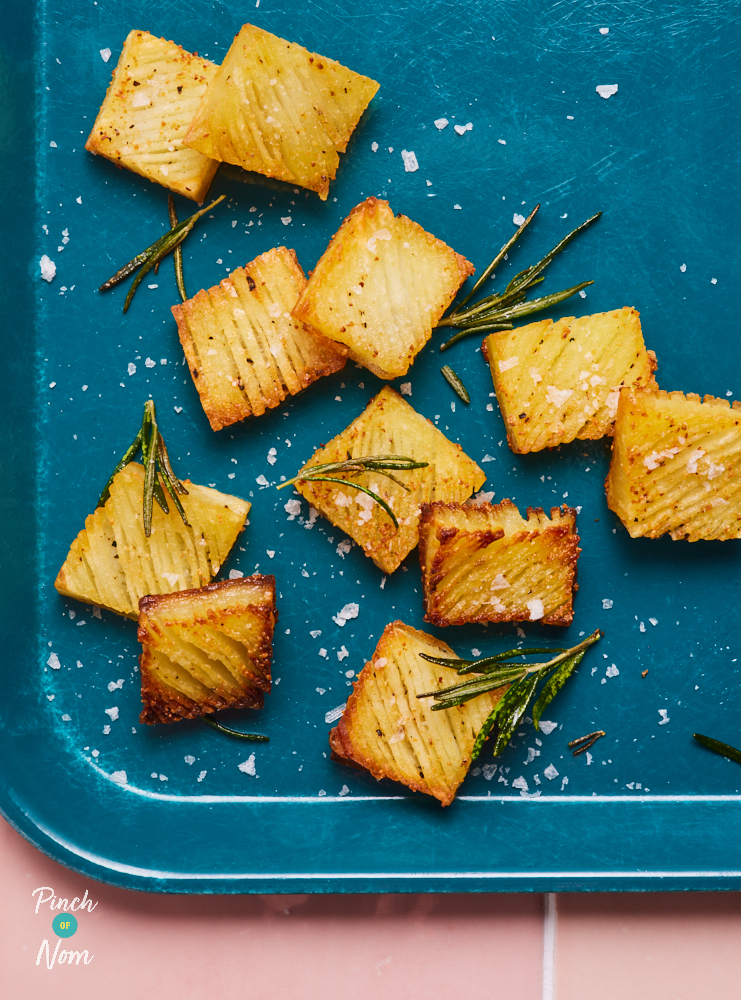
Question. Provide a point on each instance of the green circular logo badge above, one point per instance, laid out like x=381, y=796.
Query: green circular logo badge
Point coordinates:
x=64, y=925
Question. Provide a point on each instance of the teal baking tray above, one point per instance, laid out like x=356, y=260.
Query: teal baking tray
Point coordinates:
x=660, y=158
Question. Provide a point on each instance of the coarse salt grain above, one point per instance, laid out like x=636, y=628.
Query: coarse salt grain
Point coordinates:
x=120, y=777
x=248, y=766
x=53, y=661
x=349, y=610
x=606, y=90
x=441, y=123
x=606, y=603
x=518, y=219
x=410, y=161
x=334, y=714
x=48, y=268
x=105, y=54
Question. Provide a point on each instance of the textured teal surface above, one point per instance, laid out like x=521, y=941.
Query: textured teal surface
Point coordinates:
x=660, y=158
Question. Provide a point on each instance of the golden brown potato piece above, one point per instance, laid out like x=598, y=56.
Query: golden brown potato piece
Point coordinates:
x=244, y=351
x=155, y=90
x=278, y=109
x=389, y=426
x=393, y=734
x=113, y=564
x=486, y=563
x=380, y=287
x=676, y=465
x=206, y=649
x=560, y=381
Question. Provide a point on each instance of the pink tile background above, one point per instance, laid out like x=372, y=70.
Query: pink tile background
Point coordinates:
x=653, y=946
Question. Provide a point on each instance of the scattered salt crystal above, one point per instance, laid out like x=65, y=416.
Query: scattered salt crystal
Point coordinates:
x=374, y=146
x=488, y=458
x=589, y=757
x=344, y=790
x=606, y=89
x=292, y=508
x=112, y=713
x=106, y=730
x=349, y=673
x=53, y=661
x=150, y=364
x=202, y=775
x=682, y=268
x=550, y=772
x=120, y=777
x=532, y=753
x=564, y=783
x=172, y=578
x=342, y=653
x=262, y=481
x=344, y=547
x=482, y=497
x=321, y=792
x=558, y=396
x=462, y=129
x=315, y=633
x=153, y=286
x=286, y=220
x=535, y=607
x=504, y=366
x=189, y=759
x=612, y=671
x=321, y=690
x=272, y=456
x=518, y=219
x=503, y=142
x=489, y=770
x=53, y=144
x=458, y=207
x=48, y=268
x=163, y=777
x=105, y=55
x=654, y=621
x=663, y=712
x=178, y=409
x=607, y=603
x=604, y=31
x=520, y=783
x=131, y=368
x=405, y=388
x=410, y=161
x=50, y=697
x=248, y=766
x=714, y=281
x=582, y=293
x=323, y=652
x=349, y=611
x=441, y=123
x=334, y=714
x=271, y=553
x=547, y=727
x=96, y=753
x=235, y=574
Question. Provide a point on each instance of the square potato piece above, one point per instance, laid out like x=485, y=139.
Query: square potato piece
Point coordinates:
x=676, y=465
x=244, y=351
x=113, y=564
x=152, y=97
x=393, y=734
x=390, y=426
x=280, y=110
x=559, y=381
x=486, y=563
x=380, y=287
x=206, y=649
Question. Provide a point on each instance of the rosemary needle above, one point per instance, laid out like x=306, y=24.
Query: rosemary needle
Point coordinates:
x=228, y=731
x=720, y=748
x=586, y=741
x=452, y=379
x=178, y=252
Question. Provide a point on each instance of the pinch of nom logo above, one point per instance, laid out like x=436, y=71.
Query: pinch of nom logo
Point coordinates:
x=64, y=925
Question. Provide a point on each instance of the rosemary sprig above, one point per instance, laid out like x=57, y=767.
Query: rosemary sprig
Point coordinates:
x=152, y=256
x=178, y=252
x=496, y=312
x=228, y=731
x=355, y=467
x=157, y=470
x=497, y=671
x=452, y=379
x=724, y=749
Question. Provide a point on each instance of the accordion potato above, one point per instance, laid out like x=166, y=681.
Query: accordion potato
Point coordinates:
x=244, y=351
x=206, y=649
x=676, y=465
x=393, y=734
x=559, y=381
x=380, y=287
x=153, y=95
x=280, y=110
x=390, y=426
x=486, y=563
x=113, y=564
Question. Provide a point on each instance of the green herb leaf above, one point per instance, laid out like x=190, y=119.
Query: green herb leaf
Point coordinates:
x=554, y=684
x=724, y=749
x=178, y=254
x=452, y=379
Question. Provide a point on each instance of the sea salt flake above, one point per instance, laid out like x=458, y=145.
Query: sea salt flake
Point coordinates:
x=131, y=368
x=189, y=758
x=53, y=661
x=334, y=714
x=520, y=783
x=172, y=578
x=612, y=671
x=286, y=220
x=381, y=234
x=50, y=697
x=105, y=55
x=262, y=481
x=149, y=363
x=315, y=633
x=489, y=770
x=547, y=727
x=235, y=574
x=349, y=611
x=607, y=603
x=292, y=508
x=518, y=219
x=558, y=396
x=550, y=772
x=504, y=366
x=48, y=268
x=342, y=654
x=344, y=547
x=120, y=777
x=112, y=713
x=410, y=161
x=441, y=123
x=202, y=775
x=535, y=607
x=606, y=89
x=654, y=621
x=374, y=146
x=663, y=712
x=405, y=388
x=248, y=766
